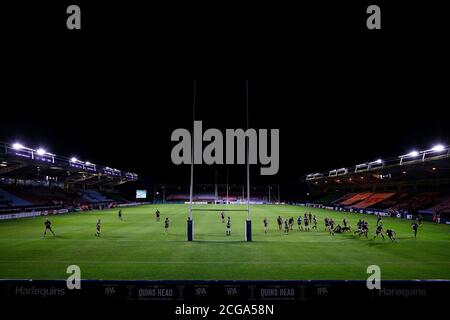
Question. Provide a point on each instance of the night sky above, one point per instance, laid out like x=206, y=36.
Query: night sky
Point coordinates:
x=339, y=95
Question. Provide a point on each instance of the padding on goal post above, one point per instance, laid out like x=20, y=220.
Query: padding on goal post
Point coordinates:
x=190, y=229
x=248, y=230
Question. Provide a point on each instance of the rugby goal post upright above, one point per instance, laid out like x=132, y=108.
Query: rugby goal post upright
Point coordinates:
x=248, y=222
x=190, y=221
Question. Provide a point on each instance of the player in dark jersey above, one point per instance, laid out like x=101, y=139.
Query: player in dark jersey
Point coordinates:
x=359, y=227
x=291, y=223
x=380, y=222
x=338, y=229
x=120, y=215
x=314, y=222
x=306, y=220
x=310, y=217
x=48, y=226
x=266, y=225
x=420, y=219
x=222, y=216
x=228, y=233
x=280, y=222
x=346, y=227
x=415, y=226
x=286, y=226
x=331, y=223
x=378, y=219
x=391, y=234
x=98, y=227
x=158, y=215
x=327, y=223
x=299, y=223
x=379, y=231
x=365, y=229
x=166, y=225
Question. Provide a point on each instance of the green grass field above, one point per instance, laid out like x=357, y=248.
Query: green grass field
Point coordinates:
x=137, y=247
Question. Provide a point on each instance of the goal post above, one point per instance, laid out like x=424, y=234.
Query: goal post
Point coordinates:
x=190, y=220
x=248, y=223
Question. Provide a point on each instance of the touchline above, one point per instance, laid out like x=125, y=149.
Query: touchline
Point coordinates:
x=213, y=153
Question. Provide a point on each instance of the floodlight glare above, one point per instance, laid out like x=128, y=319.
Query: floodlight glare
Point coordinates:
x=413, y=153
x=438, y=148
x=87, y=163
x=17, y=146
x=40, y=151
x=73, y=159
x=378, y=161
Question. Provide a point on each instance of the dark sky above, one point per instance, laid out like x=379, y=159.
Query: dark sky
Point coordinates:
x=339, y=94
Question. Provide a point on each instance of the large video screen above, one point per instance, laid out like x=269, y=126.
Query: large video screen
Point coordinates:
x=141, y=194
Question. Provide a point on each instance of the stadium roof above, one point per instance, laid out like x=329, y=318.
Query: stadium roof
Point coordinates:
x=19, y=161
x=428, y=164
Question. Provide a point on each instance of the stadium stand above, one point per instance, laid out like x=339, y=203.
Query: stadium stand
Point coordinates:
x=403, y=186
x=420, y=201
x=10, y=200
x=442, y=207
x=343, y=198
x=373, y=200
x=32, y=181
x=212, y=193
x=94, y=196
x=330, y=198
x=393, y=200
x=355, y=199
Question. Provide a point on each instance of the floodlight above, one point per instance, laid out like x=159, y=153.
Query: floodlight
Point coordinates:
x=438, y=148
x=17, y=146
x=87, y=163
x=40, y=151
x=73, y=159
x=413, y=153
x=378, y=161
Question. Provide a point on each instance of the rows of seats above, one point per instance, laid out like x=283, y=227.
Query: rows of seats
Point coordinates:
x=94, y=196
x=343, y=198
x=442, y=207
x=418, y=201
x=4, y=203
x=10, y=200
x=393, y=200
x=432, y=202
x=373, y=199
x=356, y=198
x=329, y=198
x=37, y=196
